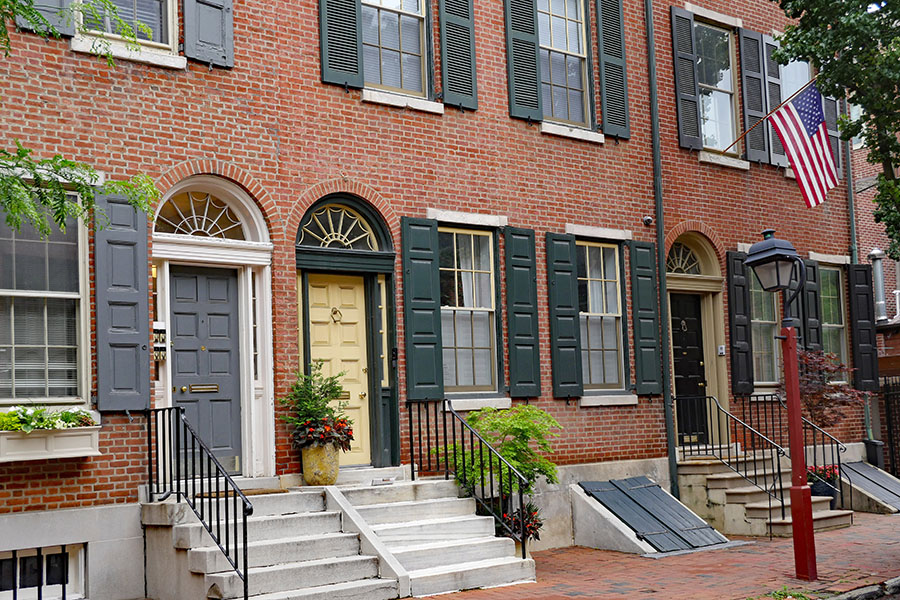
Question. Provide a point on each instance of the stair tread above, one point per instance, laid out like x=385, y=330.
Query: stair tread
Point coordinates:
x=283, y=540
x=444, y=544
x=334, y=588
x=405, y=503
x=467, y=566
x=748, y=489
x=396, y=484
x=817, y=515
x=439, y=521
x=787, y=502
x=265, y=518
x=784, y=471
x=310, y=563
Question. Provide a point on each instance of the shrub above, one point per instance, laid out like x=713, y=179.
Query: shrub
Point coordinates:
x=316, y=414
x=824, y=399
x=29, y=418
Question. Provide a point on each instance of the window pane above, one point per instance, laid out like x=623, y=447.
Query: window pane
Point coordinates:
x=62, y=372
x=558, y=31
x=612, y=297
x=391, y=3
x=596, y=288
x=372, y=64
x=150, y=14
x=445, y=248
x=465, y=370
x=5, y=321
x=31, y=265
x=596, y=364
x=390, y=30
x=369, y=25
x=7, y=267
x=794, y=75
x=544, y=5
x=483, y=253
x=465, y=289
x=482, y=333
x=410, y=34
x=713, y=56
x=585, y=339
x=449, y=367
x=560, y=105
x=63, y=266
x=573, y=72
x=412, y=72
x=463, y=329
x=595, y=260
x=484, y=290
x=558, y=7
x=390, y=68
x=544, y=28
x=716, y=112
x=483, y=368
x=586, y=366
x=573, y=9
x=464, y=251
x=558, y=68
x=583, y=305
x=447, y=329
x=574, y=37
x=30, y=365
x=60, y=322
x=595, y=332
x=28, y=321
x=611, y=368
x=610, y=333
x=448, y=288
x=6, y=355
x=411, y=5
x=581, y=260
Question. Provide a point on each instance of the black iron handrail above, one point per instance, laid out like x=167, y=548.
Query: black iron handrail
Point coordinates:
x=180, y=463
x=479, y=468
x=890, y=392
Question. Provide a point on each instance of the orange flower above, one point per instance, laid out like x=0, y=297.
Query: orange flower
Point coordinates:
x=327, y=428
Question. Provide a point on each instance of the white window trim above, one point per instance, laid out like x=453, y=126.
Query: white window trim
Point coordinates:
x=722, y=22
x=760, y=386
x=599, y=233
x=847, y=359
x=398, y=100
x=75, y=589
x=834, y=260
x=466, y=404
x=571, y=131
x=455, y=217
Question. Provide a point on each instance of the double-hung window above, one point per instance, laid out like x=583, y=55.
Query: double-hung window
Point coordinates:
x=393, y=35
x=141, y=15
x=764, y=325
x=561, y=25
x=715, y=78
x=600, y=316
x=834, y=329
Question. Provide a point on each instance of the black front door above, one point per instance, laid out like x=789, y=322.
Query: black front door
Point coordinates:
x=690, y=372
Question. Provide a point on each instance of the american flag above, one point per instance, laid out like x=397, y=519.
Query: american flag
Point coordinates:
x=800, y=124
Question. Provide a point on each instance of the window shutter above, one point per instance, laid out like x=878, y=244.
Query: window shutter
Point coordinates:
x=777, y=155
x=123, y=311
x=687, y=92
x=832, y=109
x=209, y=31
x=422, y=310
x=50, y=9
x=812, y=308
x=753, y=86
x=458, y=53
x=862, y=324
x=522, y=314
x=739, y=324
x=341, y=42
x=522, y=44
x=645, y=310
x=565, y=329
x=613, y=68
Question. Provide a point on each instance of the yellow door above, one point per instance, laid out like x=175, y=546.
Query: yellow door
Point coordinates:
x=337, y=338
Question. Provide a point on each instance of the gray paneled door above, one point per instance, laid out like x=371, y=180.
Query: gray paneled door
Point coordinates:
x=205, y=357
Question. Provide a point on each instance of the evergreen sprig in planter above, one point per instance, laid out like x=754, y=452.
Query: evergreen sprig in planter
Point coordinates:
x=37, y=432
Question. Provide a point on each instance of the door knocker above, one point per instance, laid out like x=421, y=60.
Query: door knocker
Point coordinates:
x=336, y=315
x=683, y=325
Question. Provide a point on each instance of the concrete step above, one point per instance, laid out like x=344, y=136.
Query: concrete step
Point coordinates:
x=426, y=556
x=194, y=535
x=760, y=510
x=466, y=576
x=364, y=589
x=416, y=510
x=404, y=491
x=711, y=466
x=729, y=480
x=434, y=530
x=268, y=504
x=750, y=493
x=822, y=521
x=270, y=552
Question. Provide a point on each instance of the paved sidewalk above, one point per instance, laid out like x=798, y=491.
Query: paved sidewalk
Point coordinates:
x=866, y=553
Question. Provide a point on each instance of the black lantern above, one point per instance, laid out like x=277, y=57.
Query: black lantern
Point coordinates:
x=773, y=261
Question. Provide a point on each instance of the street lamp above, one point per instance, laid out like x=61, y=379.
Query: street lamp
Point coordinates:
x=773, y=261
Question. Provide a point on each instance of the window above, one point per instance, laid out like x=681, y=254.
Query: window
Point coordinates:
x=140, y=14
x=716, y=82
x=563, y=60
x=467, y=310
x=794, y=76
x=393, y=35
x=833, y=327
x=42, y=573
x=600, y=314
x=763, y=326
x=856, y=113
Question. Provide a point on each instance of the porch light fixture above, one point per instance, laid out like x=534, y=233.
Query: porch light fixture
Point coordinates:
x=773, y=261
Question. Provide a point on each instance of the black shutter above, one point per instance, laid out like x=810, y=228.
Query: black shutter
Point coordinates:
x=62, y=22
x=458, y=53
x=687, y=91
x=209, y=31
x=522, y=314
x=832, y=109
x=753, y=86
x=777, y=155
x=739, y=327
x=341, y=42
x=645, y=312
x=422, y=310
x=862, y=328
x=123, y=311
x=613, y=68
x=565, y=329
x=522, y=43
x=812, y=307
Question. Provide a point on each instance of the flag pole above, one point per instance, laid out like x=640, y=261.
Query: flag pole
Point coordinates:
x=771, y=112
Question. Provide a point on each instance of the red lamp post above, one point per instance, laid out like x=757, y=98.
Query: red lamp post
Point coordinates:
x=774, y=261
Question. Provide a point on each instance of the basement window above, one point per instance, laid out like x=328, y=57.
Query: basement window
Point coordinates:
x=43, y=573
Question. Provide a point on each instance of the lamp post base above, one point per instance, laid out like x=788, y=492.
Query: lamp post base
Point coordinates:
x=801, y=524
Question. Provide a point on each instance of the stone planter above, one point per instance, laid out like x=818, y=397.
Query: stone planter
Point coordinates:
x=49, y=443
x=820, y=488
x=527, y=549
x=320, y=464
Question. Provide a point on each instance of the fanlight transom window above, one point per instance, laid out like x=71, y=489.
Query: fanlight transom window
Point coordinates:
x=337, y=226
x=682, y=260
x=199, y=214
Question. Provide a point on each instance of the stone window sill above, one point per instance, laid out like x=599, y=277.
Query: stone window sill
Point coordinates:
x=575, y=133
x=610, y=399
x=118, y=49
x=466, y=404
x=723, y=160
x=402, y=101
x=52, y=443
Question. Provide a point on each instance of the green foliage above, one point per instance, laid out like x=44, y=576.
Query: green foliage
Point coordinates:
x=823, y=397
x=316, y=413
x=10, y=422
x=29, y=418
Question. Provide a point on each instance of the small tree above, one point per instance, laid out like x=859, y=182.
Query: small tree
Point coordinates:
x=824, y=388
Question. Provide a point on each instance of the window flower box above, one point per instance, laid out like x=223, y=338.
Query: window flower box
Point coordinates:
x=49, y=443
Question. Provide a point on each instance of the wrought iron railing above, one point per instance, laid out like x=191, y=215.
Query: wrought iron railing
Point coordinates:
x=442, y=443
x=890, y=395
x=180, y=463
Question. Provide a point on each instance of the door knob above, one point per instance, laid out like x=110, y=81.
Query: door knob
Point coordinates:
x=362, y=395
x=183, y=389
x=701, y=384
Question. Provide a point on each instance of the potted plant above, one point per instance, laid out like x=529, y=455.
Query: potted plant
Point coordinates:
x=37, y=432
x=531, y=516
x=318, y=425
x=823, y=481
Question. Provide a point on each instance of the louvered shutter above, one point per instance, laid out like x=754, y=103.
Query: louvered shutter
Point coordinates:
x=522, y=314
x=645, y=312
x=341, y=42
x=522, y=43
x=777, y=155
x=739, y=327
x=63, y=23
x=422, y=310
x=209, y=31
x=123, y=312
x=565, y=329
x=753, y=86
x=812, y=307
x=832, y=109
x=458, y=53
x=862, y=328
x=613, y=69
x=687, y=91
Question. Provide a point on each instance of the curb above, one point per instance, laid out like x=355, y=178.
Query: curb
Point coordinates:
x=871, y=592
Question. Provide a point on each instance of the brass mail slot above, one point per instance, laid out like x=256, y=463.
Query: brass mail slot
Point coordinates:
x=345, y=395
x=201, y=388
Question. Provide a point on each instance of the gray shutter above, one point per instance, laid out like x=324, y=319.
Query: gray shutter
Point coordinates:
x=123, y=312
x=645, y=310
x=613, y=68
x=687, y=91
x=522, y=314
x=862, y=328
x=753, y=87
x=209, y=31
x=422, y=310
x=777, y=155
x=812, y=308
x=739, y=327
x=341, y=42
x=565, y=329
x=458, y=53
x=522, y=43
x=832, y=110
x=63, y=23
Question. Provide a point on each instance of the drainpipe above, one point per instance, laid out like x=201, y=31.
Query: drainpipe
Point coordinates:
x=851, y=204
x=876, y=257
x=660, y=247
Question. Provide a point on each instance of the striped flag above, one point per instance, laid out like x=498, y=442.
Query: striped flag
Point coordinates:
x=800, y=124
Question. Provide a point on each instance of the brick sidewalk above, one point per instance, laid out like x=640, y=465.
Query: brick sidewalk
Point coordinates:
x=865, y=554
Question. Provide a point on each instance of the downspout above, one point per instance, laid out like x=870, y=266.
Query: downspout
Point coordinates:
x=660, y=247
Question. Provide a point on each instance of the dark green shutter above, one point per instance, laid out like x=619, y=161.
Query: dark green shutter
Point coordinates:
x=522, y=314
x=123, y=312
x=777, y=155
x=739, y=327
x=645, y=310
x=422, y=310
x=812, y=307
x=832, y=110
x=565, y=329
x=458, y=53
x=862, y=328
x=524, y=74
x=62, y=22
x=341, y=42
x=687, y=91
x=209, y=31
x=753, y=87
x=613, y=68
